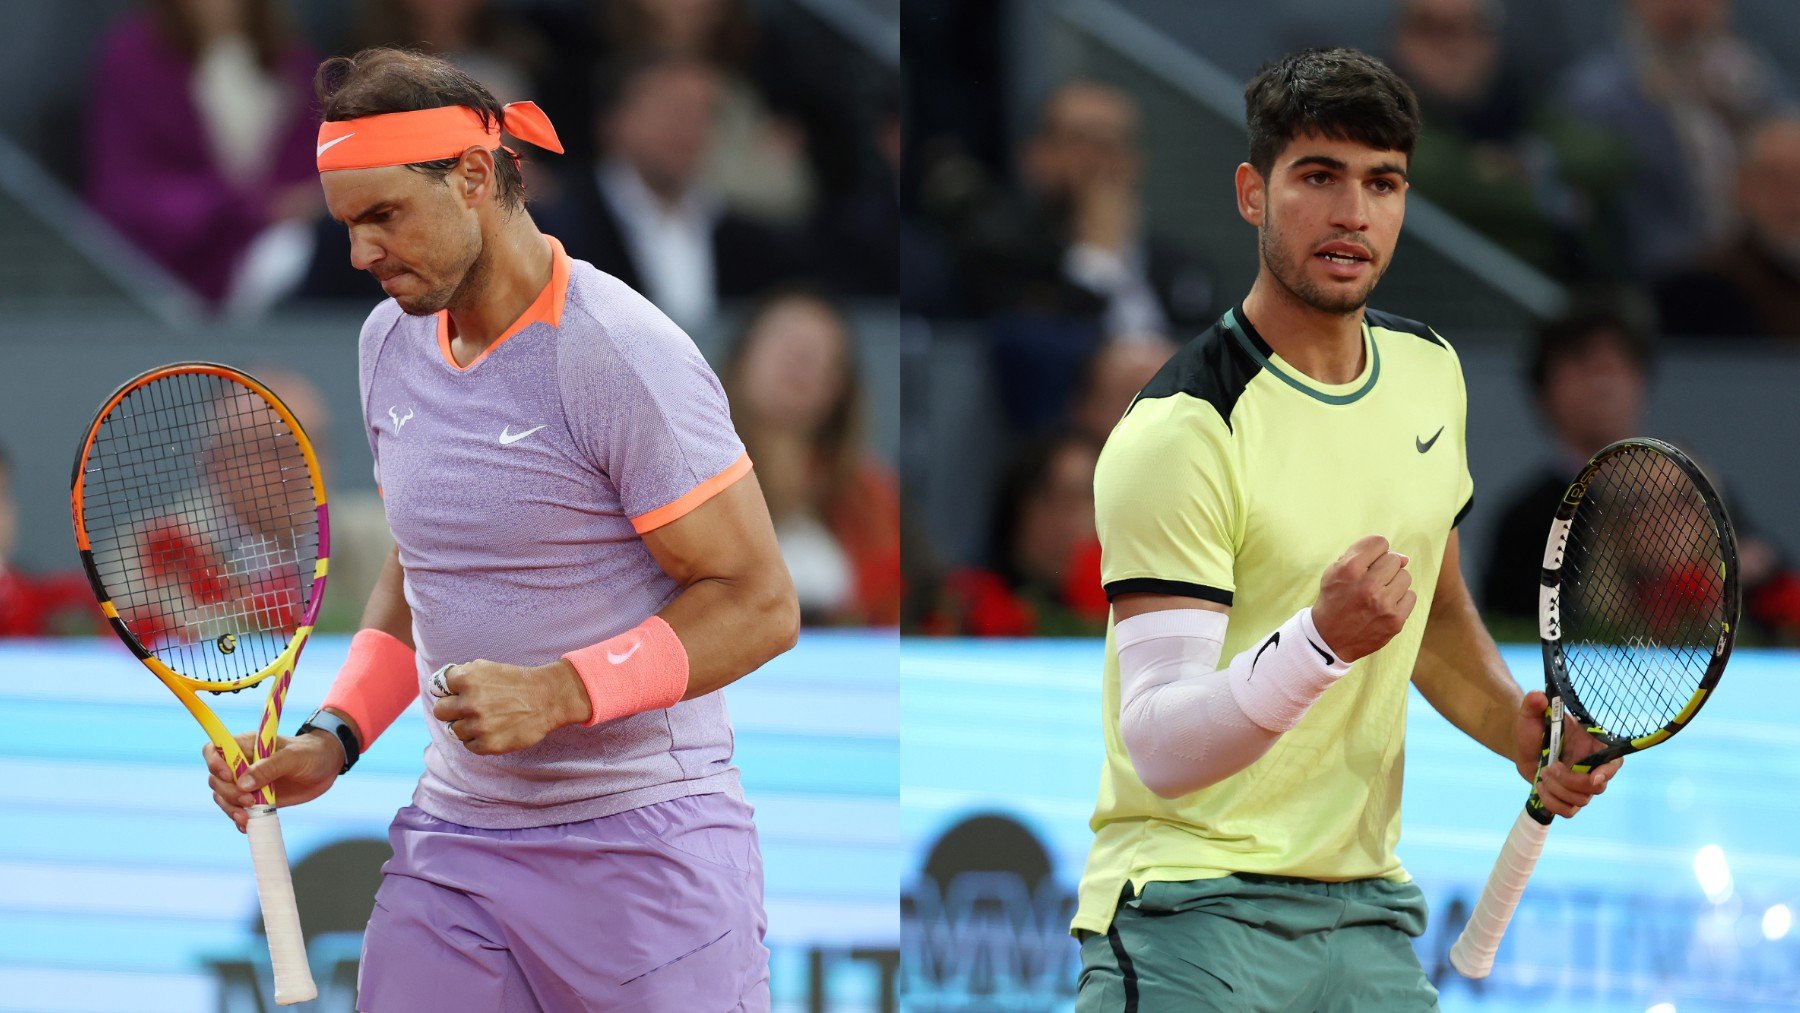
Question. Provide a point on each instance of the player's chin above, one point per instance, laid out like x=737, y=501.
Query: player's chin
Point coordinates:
x=419, y=306
x=1332, y=294
x=1342, y=299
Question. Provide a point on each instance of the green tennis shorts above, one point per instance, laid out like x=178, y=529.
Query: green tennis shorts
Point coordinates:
x=1259, y=943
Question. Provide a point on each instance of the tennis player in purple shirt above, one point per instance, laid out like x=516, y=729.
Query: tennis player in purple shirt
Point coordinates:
x=583, y=560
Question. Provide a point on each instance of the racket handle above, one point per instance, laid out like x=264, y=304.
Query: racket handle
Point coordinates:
x=281, y=918
x=1473, y=954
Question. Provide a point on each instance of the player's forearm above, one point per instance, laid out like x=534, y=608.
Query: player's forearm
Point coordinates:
x=712, y=634
x=732, y=626
x=1460, y=673
x=379, y=680
x=1187, y=725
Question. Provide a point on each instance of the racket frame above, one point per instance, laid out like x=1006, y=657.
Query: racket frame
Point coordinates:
x=287, y=947
x=1474, y=951
x=1556, y=672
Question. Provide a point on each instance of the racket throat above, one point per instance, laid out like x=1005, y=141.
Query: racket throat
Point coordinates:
x=1551, y=752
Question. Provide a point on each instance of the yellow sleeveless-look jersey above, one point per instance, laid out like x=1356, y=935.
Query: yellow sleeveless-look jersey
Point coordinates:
x=1237, y=479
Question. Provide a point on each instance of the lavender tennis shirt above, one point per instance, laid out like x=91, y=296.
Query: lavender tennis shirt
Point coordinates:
x=517, y=489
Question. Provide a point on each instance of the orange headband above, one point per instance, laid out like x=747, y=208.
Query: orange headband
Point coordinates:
x=425, y=135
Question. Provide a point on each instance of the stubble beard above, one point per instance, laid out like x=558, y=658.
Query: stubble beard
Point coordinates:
x=443, y=296
x=1291, y=274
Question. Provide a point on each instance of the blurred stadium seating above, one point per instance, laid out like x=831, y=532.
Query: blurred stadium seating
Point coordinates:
x=1186, y=74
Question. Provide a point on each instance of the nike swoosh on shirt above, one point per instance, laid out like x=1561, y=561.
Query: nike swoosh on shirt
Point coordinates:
x=335, y=140
x=620, y=659
x=507, y=436
x=1425, y=445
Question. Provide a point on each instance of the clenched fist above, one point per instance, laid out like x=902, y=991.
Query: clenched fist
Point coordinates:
x=494, y=708
x=1364, y=599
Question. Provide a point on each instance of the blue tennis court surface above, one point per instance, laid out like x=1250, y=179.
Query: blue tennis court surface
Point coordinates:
x=1680, y=886
x=119, y=879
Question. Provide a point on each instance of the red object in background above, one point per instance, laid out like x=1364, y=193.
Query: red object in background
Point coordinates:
x=1775, y=604
x=32, y=606
x=865, y=519
x=980, y=603
x=275, y=599
x=989, y=608
x=1081, y=589
x=170, y=550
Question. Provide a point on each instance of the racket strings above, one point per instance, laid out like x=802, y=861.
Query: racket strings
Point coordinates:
x=1643, y=594
x=199, y=507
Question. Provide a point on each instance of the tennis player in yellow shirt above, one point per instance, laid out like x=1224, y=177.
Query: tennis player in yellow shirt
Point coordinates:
x=1278, y=514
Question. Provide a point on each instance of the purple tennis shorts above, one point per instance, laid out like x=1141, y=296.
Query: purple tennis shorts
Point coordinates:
x=651, y=909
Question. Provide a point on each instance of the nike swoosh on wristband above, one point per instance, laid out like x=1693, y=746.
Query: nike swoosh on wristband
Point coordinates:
x=620, y=659
x=507, y=436
x=335, y=140
x=1274, y=639
x=1425, y=445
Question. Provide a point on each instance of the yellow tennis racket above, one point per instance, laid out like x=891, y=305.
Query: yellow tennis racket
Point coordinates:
x=200, y=516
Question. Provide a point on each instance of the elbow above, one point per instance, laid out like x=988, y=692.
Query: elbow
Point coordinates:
x=1165, y=786
x=1162, y=778
x=781, y=617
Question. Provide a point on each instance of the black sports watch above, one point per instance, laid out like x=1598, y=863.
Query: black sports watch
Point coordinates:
x=325, y=721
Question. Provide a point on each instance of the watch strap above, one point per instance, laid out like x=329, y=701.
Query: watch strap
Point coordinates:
x=325, y=721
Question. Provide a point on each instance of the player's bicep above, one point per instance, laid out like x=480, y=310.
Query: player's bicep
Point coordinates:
x=1125, y=606
x=728, y=537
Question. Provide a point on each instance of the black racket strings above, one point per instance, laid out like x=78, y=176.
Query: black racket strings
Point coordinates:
x=195, y=490
x=1643, y=594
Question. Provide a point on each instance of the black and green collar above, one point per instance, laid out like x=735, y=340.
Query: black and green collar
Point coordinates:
x=1238, y=325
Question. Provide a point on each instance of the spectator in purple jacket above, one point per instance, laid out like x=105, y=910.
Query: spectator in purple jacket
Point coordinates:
x=200, y=133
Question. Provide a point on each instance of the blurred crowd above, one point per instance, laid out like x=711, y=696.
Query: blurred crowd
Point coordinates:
x=711, y=155
x=1656, y=176
x=735, y=162
x=742, y=167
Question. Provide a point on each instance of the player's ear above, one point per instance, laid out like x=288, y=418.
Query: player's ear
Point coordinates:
x=473, y=178
x=1252, y=190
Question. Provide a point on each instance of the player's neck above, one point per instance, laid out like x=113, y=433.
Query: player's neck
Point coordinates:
x=1327, y=347
x=518, y=266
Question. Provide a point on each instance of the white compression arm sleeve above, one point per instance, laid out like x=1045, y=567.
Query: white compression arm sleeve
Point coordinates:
x=1186, y=723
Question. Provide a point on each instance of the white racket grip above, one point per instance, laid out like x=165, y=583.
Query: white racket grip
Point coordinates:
x=1473, y=954
x=281, y=918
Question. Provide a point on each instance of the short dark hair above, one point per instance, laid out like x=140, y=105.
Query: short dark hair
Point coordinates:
x=1590, y=321
x=385, y=80
x=1343, y=94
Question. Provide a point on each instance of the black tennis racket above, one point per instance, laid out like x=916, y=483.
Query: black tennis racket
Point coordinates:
x=1637, y=611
